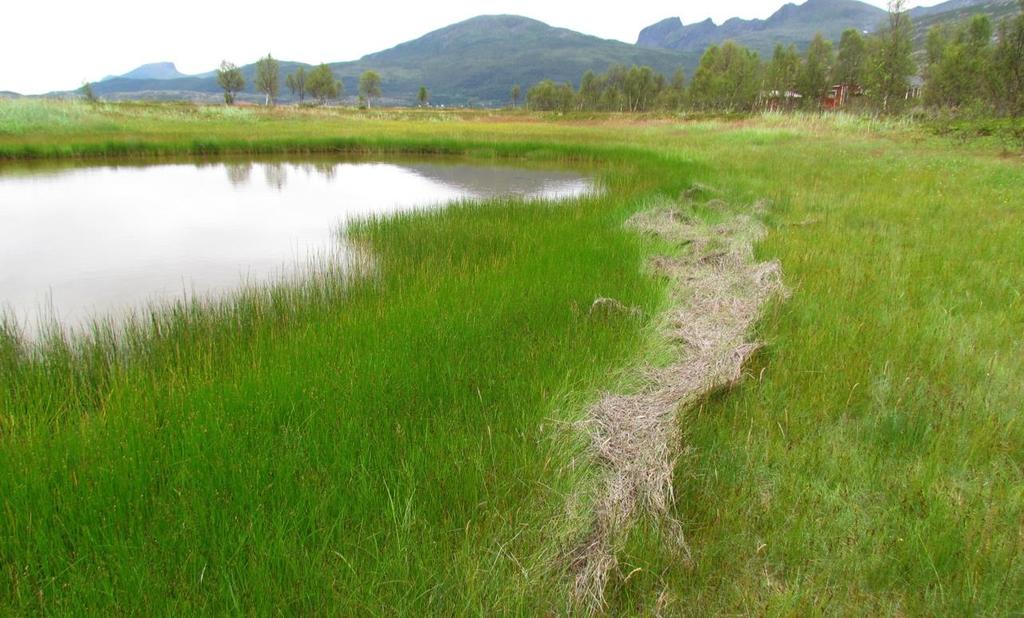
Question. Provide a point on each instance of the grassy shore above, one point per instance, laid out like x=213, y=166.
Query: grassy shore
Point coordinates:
x=400, y=443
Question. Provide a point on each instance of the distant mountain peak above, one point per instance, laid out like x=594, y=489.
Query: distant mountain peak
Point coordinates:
x=791, y=23
x=153, y=70
x=506, y=19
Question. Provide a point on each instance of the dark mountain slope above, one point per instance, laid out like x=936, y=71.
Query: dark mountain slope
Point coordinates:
x=477, y=61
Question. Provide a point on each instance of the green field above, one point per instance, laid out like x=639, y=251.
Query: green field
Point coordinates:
x=403, y=442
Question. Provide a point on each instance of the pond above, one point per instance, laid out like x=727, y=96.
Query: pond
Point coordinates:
x=80, y=242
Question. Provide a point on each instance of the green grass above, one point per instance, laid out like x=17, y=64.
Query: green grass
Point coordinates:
x=399, y=444
x=378, y=444
x=354, y=450
x=874, y=463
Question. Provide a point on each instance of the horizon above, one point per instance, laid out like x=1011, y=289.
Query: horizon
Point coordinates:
x=320, y=40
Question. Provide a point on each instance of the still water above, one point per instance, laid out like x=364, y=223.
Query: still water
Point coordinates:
x=84, y=242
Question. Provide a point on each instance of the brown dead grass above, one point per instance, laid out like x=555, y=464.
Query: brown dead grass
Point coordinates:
x=717, y=291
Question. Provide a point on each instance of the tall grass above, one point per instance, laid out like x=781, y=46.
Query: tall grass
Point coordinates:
x=20, y=117
x=391, y=442
x=872, y=464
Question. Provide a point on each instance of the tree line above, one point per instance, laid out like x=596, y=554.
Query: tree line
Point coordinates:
x=972, y=65
x=318, y=83
x=969, y=64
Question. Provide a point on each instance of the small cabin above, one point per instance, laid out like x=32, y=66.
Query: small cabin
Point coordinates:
x=839, y=95
x=780, y=101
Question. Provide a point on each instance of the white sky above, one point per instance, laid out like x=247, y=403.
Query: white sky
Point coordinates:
x=48, y=45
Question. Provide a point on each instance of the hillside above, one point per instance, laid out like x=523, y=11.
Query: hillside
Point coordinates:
x=474, y=62
x=957, y=10
x=482, y=57
x=790, y=24
x=799, y=23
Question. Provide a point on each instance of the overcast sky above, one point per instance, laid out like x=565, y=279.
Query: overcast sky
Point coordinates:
x=48, y=45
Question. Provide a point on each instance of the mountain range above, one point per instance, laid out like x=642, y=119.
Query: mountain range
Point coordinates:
x=797, y=24
x=476, y=62
x=790, y=24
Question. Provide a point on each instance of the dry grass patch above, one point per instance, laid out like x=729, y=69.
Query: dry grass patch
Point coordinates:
x=717, y=292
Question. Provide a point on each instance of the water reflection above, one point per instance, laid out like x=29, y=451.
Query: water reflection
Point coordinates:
x=325, y=169
x=92, y=241
x=238, y=173
x=276, y=175
x=472, y=180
